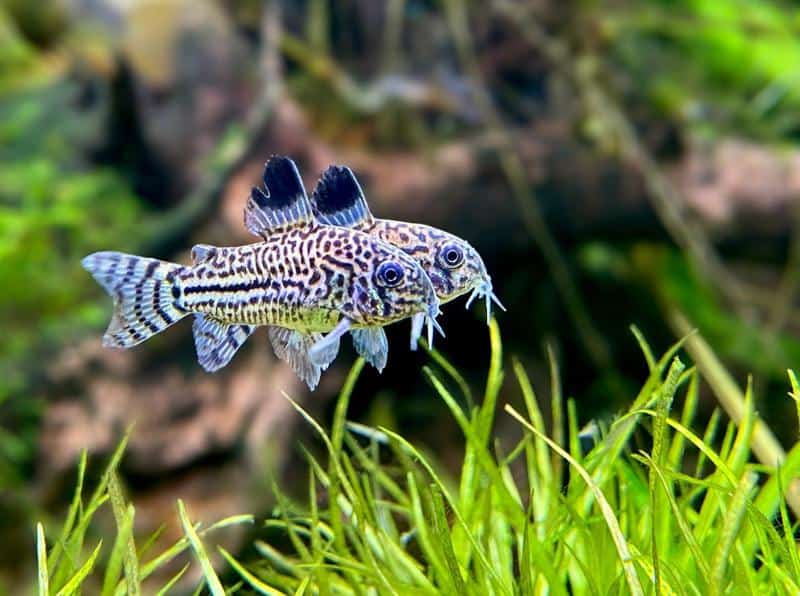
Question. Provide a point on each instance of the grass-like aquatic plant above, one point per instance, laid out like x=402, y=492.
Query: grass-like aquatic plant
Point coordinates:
x=692, y=514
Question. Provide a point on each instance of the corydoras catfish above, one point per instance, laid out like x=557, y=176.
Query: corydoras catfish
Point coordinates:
x=304, y=279
x=452, y=264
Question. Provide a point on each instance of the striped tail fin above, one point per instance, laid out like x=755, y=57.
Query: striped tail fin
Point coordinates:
x=145, y=291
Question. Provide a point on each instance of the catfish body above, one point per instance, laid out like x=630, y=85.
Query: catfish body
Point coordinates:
x=305, y=279
x=451, y=263
x=302, y=280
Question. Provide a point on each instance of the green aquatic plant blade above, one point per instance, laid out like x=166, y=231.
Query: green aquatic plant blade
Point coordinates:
x=124, y=550
x=730, y=528
x=41, y=562
x=660, y=523
x=612, y=522
x=211, y=578
x=252, y=580
x=383, y=515
x=167, y=587
x=73, y=584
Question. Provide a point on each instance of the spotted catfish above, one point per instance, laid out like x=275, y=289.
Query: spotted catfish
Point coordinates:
x=293, y=345
x=304, y=279
x=452, y=264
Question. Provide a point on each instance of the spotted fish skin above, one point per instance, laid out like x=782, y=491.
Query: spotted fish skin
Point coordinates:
x=304, y=279
x=452, y=264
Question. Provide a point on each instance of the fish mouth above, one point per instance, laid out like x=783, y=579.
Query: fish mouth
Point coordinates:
x=484, y=290
x=419, y=320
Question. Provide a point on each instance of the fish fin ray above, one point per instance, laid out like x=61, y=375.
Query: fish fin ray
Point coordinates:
x=146, y=294
x=217, y=342
x=281, y=204
x=338, y=199
x=417, y=323
x=292, y=347
x=320, y=351
x=325, y=357
x=373, y=345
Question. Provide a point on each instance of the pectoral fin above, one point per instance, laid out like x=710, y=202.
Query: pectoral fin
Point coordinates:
x=417, y=323
x=372, y=345
x=217, y=342
x=325, y=357
x=284, y=340
x=307, y=353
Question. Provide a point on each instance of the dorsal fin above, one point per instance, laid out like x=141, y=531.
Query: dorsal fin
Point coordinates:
x=281, y=204
x=338, y=199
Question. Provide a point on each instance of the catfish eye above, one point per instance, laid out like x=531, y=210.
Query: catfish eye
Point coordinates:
x=389, y=274
x=452, y=256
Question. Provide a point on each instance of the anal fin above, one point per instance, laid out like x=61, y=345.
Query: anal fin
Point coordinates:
x=372, y=345
x=217, y=342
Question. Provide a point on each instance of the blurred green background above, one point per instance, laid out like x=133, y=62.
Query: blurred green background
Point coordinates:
x=616, y=162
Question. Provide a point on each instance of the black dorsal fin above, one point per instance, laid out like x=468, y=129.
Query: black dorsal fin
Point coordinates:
x=281, y=204
x=338, y=199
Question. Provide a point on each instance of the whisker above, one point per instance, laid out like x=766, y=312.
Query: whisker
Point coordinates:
x=417, y=321
x=496, y=300
x=430, y=333
x=484, y=290
x=475, y=293
x=437, y=326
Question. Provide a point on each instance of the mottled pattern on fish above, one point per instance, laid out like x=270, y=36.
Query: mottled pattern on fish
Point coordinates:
x=302, y=280
x=452, y=264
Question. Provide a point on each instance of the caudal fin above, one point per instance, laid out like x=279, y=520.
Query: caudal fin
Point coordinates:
x=145, y=291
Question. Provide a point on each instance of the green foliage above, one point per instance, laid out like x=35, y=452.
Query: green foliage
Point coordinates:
x=665, y=277
x=736, y=61
x=55, y=207
x=18, y=61
x=70, y=566
x=690, y=515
